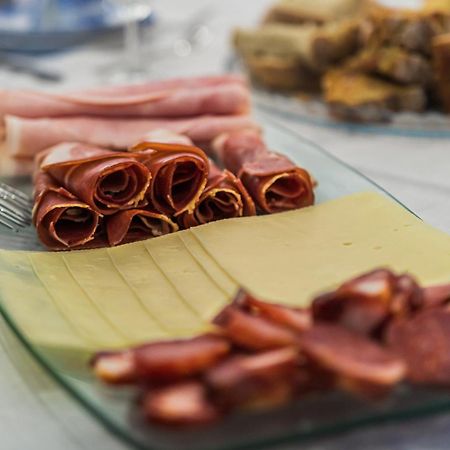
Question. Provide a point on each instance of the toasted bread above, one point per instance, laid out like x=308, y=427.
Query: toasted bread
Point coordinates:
x=307, y=11
x=364, y=98
x=393, y=63
x=312, y=46
x=433, y=6
x=412, y=29
x=441, y=64
x=280, y=73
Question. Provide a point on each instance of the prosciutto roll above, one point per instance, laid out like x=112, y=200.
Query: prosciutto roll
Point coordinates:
x=274, y=182
x=61, y=220
x=107, y=181
x=172, y=98
x=137, y=224
x=27, y=137
x=224, y=197
x=179, y=175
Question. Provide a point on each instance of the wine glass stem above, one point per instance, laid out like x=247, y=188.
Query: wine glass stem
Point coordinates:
x=133, y=45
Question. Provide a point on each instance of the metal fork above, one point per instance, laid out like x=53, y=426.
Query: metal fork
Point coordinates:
x=15, y=208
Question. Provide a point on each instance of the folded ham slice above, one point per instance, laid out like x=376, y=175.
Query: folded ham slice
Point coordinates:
x=26, y=137
x=179, y=175
x=107, y=181
x=274, y=182
x=61, y=220
x=173, y=98
x=224, y=197
x=137, y=224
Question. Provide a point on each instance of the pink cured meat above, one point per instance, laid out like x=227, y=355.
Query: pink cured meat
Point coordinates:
x=274, y=182
x=137, y=224
x=62, y=221
x=27, y=137
x=179, y=175
x=224, y=195
x=172, y=98
x=107, y=181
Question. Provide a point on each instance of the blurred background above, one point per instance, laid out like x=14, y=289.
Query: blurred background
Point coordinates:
x=54, y=43
x=64, y=44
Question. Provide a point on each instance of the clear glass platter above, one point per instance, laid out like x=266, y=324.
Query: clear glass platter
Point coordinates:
x=431, y=124
x=312, y=416
x=313, y=110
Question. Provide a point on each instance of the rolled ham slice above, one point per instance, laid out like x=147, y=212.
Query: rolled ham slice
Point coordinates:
x=137, y=224
x=274, y=182
x=105, y=180
x=179, y=175
x=61, y=220
x=26, y=137
x=224, y=197
x=172, y=98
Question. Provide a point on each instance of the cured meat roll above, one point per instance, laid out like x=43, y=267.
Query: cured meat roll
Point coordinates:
x=107, y=181
x=61, y=220
x=137, y=224
x=224, y=197
x=274, y=182
x=172, y=98
x=26, y=137
x=179, y=175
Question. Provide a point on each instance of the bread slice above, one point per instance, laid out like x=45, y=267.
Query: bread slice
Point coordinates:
x=363, y=98
x=281, y=73
x=441, y=64
x=433, y=6
x=394, y=63
x=441, y=56
x=312, y=11
x=314, y=47
x=410, y=29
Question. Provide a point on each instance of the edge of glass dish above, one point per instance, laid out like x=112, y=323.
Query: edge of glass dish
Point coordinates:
x=372, y=418
x=283, y=105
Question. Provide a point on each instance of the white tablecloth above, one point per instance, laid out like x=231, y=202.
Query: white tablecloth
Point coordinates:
x=34, y=412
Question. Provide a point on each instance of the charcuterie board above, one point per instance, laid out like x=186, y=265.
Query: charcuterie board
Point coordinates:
x=67, y=360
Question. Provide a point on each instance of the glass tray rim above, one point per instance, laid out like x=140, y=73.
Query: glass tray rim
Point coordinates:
x=352, y=127
x=282, y=104
x=111, y=425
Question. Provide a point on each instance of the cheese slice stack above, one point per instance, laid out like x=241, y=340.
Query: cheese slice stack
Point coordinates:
x=173, y=285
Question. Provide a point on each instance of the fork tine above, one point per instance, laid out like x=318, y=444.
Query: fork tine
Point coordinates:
x=7, y=224
x=12, y=222
x=14, y=215
x=14, y=200
x=15, y=192
x=12, y=218
x=14, y=210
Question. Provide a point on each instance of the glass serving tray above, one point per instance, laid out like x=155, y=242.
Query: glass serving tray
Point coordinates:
x=312, y=416
x=313, y=110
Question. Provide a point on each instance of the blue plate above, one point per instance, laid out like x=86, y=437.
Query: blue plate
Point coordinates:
x=50, y=25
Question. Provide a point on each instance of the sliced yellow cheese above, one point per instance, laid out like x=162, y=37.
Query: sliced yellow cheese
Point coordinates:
x=209, y=265
x=73, y=302
x=32, y=308
x=111, y=294
x=195, y=286
x=171, y=286
x=156, y=292
x=292, y=256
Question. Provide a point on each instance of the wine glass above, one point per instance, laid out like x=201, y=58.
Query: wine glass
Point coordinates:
x=131, y=68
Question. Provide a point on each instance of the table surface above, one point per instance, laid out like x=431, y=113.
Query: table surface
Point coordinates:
x=35, y=413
